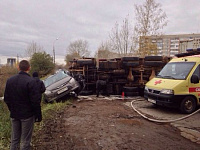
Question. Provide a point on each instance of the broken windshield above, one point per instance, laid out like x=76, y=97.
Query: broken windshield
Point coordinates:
x=176, y=70
x=55, y=78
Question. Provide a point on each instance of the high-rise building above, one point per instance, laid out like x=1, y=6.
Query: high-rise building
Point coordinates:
x=169, y=45
x=11, y=61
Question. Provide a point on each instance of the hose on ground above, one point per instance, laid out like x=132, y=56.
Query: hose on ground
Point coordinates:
x=161, y=121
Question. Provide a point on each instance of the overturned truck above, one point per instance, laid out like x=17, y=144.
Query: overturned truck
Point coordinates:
x=126, y=75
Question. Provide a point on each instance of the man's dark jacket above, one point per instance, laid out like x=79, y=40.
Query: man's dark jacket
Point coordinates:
x=22, y=97
x=41, y=87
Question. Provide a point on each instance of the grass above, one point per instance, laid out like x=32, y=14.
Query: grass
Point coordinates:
x=5, y=125
x=5, y=73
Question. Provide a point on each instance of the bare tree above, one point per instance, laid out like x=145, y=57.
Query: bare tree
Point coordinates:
x=70, y=57
x=150, y=18
x=150, y=21
x=32, y=48
x=79, y=47
x=122, y=39
x=104, y=51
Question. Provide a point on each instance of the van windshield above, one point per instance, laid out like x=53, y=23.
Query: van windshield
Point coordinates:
x=176, y=70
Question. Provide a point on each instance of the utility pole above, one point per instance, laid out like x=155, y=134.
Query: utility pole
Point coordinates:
x=54, y=53
x=17, y=59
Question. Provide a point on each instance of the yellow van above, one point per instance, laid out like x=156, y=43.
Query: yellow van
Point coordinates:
x=177, y=84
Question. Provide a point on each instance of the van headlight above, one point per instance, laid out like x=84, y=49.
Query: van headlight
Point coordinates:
x=146, y=88
x=166, y=91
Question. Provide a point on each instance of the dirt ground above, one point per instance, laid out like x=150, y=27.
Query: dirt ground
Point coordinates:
x=102, y=124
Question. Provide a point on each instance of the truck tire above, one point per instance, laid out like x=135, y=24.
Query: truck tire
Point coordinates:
x=131, y=93
x=112, y=65
x=130, y=89
x=104, y=77
x=119, y=71
x=130, y=64
x=154, y=63
x=103, y=64
x=130, y=58
x=85, y=93
x=83, y=62
x=188, y=105
x=153, y=58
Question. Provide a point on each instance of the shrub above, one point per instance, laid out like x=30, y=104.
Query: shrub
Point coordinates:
x=5, y=126
x=5, y=73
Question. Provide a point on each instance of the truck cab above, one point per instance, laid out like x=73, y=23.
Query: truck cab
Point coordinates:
x=177, y=84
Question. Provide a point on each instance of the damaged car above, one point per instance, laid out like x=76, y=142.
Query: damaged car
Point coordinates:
x=62, y=83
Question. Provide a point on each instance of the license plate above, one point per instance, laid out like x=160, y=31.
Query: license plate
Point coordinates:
x=152, y=100
x=63, y=90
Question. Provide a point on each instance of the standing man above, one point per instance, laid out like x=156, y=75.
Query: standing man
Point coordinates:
x=24, y=106
x=101, y=86
x=40, y=84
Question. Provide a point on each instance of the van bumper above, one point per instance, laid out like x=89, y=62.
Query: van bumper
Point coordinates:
x=169, y=100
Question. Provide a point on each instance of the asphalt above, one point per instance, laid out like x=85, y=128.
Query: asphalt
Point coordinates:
x=189, y=127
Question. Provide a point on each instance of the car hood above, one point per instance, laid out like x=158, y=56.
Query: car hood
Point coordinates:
x=59, y=83
x=160, y=83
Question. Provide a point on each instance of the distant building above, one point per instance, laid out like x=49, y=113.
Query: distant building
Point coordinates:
x=11, y=61
x=169, y=45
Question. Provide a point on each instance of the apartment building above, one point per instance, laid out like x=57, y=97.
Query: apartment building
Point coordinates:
x=169, y=45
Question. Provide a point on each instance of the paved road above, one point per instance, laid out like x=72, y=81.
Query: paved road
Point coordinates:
x=189, y=127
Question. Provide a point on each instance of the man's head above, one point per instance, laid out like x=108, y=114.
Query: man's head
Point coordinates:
x=35, y=74
x=24, y=65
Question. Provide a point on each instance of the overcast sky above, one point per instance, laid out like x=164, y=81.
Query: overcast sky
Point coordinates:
x=42, y=21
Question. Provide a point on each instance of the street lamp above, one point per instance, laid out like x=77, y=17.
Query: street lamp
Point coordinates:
x=54, y=54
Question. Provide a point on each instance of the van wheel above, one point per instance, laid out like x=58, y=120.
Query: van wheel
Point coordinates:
x=188, y=105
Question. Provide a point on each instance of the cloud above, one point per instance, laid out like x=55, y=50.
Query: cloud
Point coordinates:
x=183, y=16
x=42, y=21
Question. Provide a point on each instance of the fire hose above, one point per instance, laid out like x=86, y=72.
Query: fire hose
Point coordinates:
x=161, y=121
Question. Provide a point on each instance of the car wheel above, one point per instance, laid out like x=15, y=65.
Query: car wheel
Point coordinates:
x=45, y=101
x=188, y=105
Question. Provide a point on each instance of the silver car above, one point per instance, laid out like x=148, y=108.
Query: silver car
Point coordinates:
x=59, y=85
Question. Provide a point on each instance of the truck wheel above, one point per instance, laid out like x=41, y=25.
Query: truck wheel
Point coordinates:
x=83, y=62
x=130, y=64
x=112, y=65
x=130, y=89
x=130, y=58
x=154, y=63
x=188, y=105
x=131, y=93
x=85, y=93
x=153, y=58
